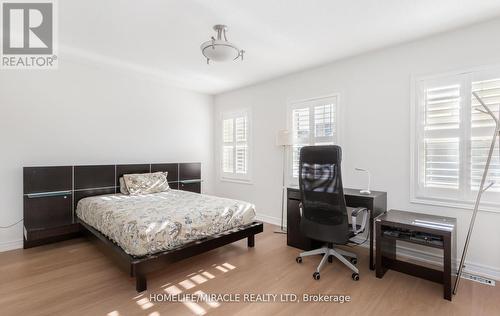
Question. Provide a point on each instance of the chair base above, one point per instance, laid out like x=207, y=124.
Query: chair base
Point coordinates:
x=327, y=253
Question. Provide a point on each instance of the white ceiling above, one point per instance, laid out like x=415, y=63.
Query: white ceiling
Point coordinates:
x=163, y=37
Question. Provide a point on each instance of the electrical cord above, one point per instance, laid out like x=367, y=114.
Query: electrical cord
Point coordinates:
x=359, y=244
x=368, y=232
x=9, y=226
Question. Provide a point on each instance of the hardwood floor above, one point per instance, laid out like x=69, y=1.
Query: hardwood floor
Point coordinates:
x=74, y=278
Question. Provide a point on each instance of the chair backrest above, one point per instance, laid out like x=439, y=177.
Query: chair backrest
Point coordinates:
x=323, y=203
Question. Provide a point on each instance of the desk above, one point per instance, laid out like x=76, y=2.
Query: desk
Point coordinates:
x=376, y=202
x=428, y=230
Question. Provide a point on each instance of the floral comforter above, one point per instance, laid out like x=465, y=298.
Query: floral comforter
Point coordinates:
x=150, y=223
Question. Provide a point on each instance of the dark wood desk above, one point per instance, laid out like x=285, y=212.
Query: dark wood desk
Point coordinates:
x=376, y=202
x=428, y=230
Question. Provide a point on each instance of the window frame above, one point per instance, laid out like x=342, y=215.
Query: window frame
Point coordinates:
x=298, y=103
x=464, y=197
x=234, y=176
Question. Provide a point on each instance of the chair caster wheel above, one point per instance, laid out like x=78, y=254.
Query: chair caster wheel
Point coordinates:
x=298, y=259
x=355, y=276
x=354, y=260
x=330, y=259
x=316, y=275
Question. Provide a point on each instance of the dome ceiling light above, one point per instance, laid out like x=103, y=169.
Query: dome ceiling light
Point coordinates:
x=220, y=49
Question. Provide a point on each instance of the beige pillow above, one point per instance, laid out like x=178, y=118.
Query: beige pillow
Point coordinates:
x=145, y=183
x=123, y=187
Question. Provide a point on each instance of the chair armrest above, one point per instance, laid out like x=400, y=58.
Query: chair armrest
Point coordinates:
x=364, y=220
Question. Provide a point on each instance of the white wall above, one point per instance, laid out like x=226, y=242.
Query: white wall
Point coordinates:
x=375, y=100
x=84, y=113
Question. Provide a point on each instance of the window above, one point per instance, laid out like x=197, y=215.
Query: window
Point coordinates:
x=451, y=138
x=312, y=122
x=235, y=146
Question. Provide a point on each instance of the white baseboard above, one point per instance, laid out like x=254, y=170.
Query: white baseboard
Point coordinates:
x=269, y=219
x=11, y=245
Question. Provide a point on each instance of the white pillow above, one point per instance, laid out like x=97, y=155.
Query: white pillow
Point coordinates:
x=123, y=187
x=145, y=183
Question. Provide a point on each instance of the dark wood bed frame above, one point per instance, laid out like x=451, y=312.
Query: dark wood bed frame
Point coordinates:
x=138, y=267
x=51, y=195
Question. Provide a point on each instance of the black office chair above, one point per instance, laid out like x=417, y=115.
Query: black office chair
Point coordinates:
x=324, y=215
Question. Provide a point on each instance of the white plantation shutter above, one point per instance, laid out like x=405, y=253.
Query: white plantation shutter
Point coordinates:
x=295, y=160
x=301, y=122
x=442, y=158
x=228, y=159
x=324, y=122
x=241, y=129
x=241, y=159
x=228, y=145
x=489, y=91
x=479, y=152
x=313, y=122
x=228, y=130
x=482, y=127
x=442, y=107
x=235, y=149
x=453, y=138
x=241, y=145
x=441, y=141
x=301, y=130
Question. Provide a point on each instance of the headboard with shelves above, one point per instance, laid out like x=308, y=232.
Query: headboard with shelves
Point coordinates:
x=51, y=194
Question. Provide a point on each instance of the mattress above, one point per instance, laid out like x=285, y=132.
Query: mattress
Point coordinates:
x=150, y=223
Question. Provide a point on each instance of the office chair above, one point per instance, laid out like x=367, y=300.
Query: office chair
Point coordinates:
x=323, y=209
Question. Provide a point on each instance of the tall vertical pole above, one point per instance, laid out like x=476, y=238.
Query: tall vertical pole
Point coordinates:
x=482, y=189
x=282, y=230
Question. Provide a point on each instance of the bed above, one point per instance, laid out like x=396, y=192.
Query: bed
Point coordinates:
x=147, y=224
x=145, y=232
x=142, y=233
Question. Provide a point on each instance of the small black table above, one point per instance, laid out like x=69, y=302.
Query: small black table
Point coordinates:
x=422, y=229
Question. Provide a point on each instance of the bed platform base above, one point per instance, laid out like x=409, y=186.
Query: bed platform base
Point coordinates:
x=139, y=267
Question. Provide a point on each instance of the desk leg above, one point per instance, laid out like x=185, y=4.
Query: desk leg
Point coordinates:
x=447, y=268
x=386, y=252
x=380, y=271
x=371, y=229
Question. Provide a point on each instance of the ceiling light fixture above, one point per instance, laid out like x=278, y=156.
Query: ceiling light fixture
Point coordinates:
x=220, y=49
